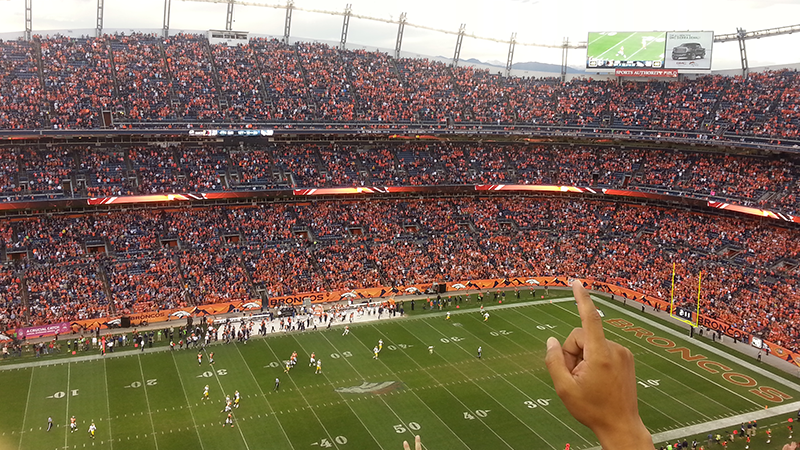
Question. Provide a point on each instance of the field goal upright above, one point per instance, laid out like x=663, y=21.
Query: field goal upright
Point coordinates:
x=684, y=314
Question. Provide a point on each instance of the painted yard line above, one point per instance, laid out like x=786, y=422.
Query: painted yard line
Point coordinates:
x=727, y=422
x=347, y=403
x=359, y=321
x=615, y=45
x=66, y=419
x=264, y=397
x=418, y=397
x=222, y=389
x=648, y=351
x=300, y=391
x=641, y=400
x=108, y=405
x=466, y=408
x=704, y=346
x=188, y=404
x=548, y=386
x=464, y=329
x=147, y=399
x=660, y=356
x=27, y=403
x=410, y=390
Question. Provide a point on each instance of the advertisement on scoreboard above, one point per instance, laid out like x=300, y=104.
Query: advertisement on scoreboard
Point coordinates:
x=627, y=50
x=689, y=49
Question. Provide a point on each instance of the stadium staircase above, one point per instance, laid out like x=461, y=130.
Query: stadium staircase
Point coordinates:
x=262, y=85
x=113, y=65
x=36, y=46
x=173, y=98
x=223, y=102
x=312, y=103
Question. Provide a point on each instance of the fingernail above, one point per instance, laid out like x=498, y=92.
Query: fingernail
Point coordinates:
x=552, y=342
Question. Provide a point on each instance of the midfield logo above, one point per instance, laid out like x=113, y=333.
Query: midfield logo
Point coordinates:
x=371, y=388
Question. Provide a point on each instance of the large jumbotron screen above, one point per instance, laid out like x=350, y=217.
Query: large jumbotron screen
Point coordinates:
x=612, y=49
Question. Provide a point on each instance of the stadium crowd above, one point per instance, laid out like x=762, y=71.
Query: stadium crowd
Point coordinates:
x=770, y=182
x=63, y=82
x=152, y=259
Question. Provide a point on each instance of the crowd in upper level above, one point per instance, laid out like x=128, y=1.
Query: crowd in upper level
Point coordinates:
x=60, y=82
x=769, y=182
x=101, y=264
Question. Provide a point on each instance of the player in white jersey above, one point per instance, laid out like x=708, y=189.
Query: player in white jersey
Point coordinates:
x=236, y=398
x=380, y=344
x=92, y=430
x=485, y=316
x=448, y=316
x=430, y=349
x=319, y=367
x=375, y=351
x=205, y=393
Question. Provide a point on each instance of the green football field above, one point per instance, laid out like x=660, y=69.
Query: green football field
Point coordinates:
x=453, y=399
x=637, y=46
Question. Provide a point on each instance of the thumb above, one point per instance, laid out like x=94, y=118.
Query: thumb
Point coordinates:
x=557, y=367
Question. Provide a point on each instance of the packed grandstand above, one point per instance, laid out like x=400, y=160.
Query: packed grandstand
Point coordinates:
x=64, y=263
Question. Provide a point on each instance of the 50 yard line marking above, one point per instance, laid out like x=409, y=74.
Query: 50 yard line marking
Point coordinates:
x=108, y=406
x=147, y=399
x=66, y=419
x=27, y=403
x=186, y=396
x=422, y=401
x=342, y=396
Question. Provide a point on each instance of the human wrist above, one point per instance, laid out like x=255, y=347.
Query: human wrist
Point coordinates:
x=626, y=437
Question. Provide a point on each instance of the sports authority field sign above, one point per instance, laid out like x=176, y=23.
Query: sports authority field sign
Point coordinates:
x=649, y=73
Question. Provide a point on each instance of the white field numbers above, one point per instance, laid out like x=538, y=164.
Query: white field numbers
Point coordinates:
x=400, y=346
x=413, y=426
x=325, y=443
x=62, y=394
x=138, y=384
x=648, y=383
x=500, y=333
x=447, y=340
x=480, y=413
x=543, y=402
x=545, y=326
x=209, y=374
x=342, y=355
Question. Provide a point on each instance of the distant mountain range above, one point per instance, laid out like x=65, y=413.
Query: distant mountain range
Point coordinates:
x=530, y=66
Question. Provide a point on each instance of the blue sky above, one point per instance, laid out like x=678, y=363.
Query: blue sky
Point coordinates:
x=534, y=21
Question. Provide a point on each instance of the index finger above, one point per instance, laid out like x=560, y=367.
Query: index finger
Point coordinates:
x=591, y=322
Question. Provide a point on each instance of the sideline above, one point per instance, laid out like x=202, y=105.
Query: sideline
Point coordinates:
x=362, y=319
x=727, y=422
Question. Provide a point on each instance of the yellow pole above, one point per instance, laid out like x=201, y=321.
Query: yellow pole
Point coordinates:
x=699, y=281
x=672, y=292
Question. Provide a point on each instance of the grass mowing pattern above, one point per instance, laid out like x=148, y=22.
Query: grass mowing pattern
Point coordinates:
x=450, y=397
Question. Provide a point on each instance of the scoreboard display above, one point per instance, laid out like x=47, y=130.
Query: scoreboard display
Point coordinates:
x=637, y=49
